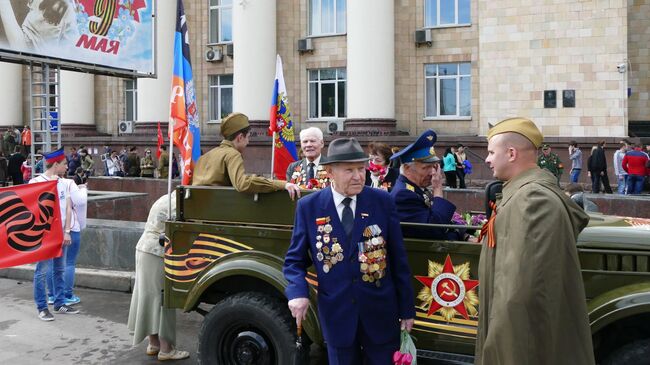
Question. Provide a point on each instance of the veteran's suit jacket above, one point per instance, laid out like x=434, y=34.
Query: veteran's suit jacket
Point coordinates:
x=345, y=301
x=412, y=207
x=292, y=166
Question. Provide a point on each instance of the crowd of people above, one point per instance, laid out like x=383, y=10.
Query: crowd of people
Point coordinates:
x=631, y=166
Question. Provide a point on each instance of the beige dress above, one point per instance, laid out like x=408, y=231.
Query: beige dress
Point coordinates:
x=147, y=315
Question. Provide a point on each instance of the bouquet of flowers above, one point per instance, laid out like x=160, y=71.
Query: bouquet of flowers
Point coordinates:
x=468, y=219
x=407, y=353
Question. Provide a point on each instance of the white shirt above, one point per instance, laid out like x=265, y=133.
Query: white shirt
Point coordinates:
x=316, y=162
x=338, y=203
x=68, y=189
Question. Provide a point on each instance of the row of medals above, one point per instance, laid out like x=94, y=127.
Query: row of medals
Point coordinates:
x=372, y=255
x=330, y=255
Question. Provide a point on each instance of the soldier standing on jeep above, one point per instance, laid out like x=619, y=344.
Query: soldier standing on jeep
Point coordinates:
x=533, y=307
x=351, y=234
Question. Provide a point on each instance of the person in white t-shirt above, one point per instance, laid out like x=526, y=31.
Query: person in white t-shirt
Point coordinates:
x=79, y=198
x=55, y=164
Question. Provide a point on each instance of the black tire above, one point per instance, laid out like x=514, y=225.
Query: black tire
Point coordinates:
x=250, y=329
x=635, y=353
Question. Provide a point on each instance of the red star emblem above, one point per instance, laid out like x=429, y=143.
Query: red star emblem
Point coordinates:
x=448, y=289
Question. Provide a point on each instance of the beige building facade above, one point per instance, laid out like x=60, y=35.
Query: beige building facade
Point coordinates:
x=577, y=68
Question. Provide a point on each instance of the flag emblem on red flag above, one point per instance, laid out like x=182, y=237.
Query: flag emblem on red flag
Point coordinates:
x=30, y=224
x=281, y=126
x=184, y=114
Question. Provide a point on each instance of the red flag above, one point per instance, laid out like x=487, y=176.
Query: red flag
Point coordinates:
x=160, y=142
x=30, y=224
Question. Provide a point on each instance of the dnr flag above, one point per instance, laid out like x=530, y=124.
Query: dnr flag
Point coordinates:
x=184, y=113
x=281, y=126
x=30, y=224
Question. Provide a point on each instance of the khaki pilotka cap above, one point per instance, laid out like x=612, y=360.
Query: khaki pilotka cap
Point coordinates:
x=233, y=123
x=522, y=126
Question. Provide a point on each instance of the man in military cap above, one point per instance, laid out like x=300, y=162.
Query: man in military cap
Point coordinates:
x=418, y=191
x=352, y=236
x=550, y=161
x=224, y=165
x=533, y=308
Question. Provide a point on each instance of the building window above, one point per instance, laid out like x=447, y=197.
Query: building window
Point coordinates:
x=131, y=100
x=220, y=96
x=326, y=17
x=327, y=93
x=448, y=90
x=440, y=13
x=220, y=21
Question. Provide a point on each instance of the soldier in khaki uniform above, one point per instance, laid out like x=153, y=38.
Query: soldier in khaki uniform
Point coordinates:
x=550, y=161
x=532, y=299
x=224, y=165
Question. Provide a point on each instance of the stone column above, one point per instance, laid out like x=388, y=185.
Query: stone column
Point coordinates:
x=154, y=94
x=77, y=98
x=11, y=102
x=254, y=41
x=371, y=64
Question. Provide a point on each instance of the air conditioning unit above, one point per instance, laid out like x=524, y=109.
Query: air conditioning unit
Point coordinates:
x=213, y=55
x=423, y=36
x=334, y=126
x=125, y=127
x=305, y=45
x=230, y=50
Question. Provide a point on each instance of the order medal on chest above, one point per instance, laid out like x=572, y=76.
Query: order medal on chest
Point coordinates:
x=372, y=255
x=320, y=180
x=329, y=250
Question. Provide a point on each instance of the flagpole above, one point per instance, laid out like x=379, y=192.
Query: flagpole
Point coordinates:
x=273, y=156
x=170, y=135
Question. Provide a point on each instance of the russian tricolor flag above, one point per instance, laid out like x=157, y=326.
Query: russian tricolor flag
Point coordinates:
x=281, y=126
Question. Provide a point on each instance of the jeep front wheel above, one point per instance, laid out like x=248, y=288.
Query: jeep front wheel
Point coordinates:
x=248, y=329
x=635, y=353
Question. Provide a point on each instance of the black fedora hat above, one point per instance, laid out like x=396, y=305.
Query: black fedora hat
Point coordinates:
x=344, y=150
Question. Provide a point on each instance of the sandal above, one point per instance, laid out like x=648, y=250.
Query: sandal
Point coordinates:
x=173, y=355
x=153, y=350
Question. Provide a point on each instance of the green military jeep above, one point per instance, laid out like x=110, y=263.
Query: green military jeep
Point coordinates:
x=227, y=249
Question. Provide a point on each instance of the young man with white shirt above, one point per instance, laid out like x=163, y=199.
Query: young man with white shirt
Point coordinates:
x=55, y=164
x=621, y=174
x=79, y=199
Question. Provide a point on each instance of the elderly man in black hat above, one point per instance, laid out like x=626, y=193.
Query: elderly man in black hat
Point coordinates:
x=224, y=165
x=418, y=190
x=351, y=234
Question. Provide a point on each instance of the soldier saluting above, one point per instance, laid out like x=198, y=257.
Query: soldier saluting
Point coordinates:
x=533, y=308
x=352, y=236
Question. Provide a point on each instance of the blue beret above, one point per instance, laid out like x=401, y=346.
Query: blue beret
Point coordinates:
x=420, y=151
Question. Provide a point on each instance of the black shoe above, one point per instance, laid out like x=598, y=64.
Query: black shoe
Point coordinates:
x=45, y=315
x=64, y=309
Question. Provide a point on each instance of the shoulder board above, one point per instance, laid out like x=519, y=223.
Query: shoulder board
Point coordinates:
x=410, y=187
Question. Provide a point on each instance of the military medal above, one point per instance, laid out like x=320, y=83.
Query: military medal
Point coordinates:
x=372, y=255
x=332, y=254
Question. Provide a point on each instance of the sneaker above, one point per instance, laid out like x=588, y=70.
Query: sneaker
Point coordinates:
x=50, y=299
x=45, y=315
x=72, y=300
x=64, y=309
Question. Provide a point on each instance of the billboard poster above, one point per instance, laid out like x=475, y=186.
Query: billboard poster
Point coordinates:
x=102, y=36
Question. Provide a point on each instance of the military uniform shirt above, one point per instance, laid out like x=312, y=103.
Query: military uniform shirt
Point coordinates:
x=224, y=166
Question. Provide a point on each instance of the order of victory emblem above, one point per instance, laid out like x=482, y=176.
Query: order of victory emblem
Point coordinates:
x=448, y=289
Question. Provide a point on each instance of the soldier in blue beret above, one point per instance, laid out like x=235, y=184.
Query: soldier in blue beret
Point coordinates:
x=418, y=190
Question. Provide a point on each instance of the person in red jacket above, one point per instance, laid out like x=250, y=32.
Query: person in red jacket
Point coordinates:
x=634, y=163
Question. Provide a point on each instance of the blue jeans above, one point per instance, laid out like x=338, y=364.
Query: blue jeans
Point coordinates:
x=72, y=251
x=575, y=174
x=634, y=184
x=622, y=184
x=57, y=265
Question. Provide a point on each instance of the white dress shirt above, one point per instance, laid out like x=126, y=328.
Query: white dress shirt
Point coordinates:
x=338, y=203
